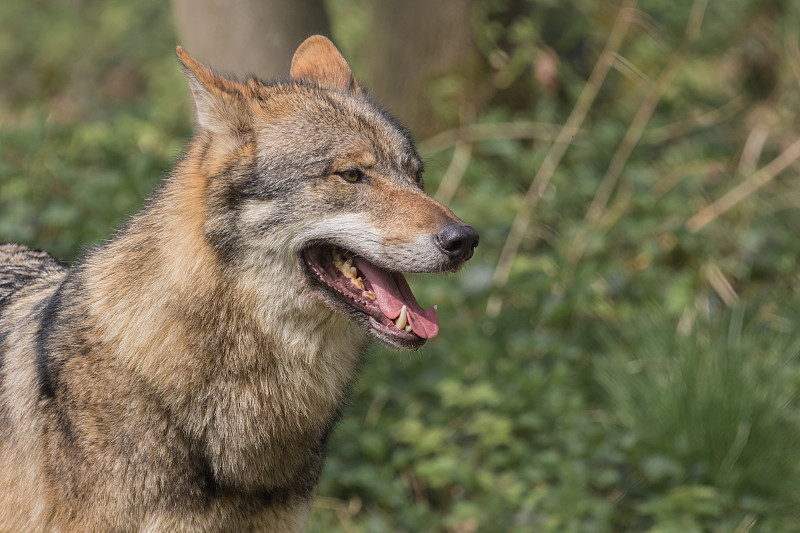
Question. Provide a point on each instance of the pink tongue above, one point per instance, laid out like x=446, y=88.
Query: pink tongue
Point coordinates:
x=392, y=293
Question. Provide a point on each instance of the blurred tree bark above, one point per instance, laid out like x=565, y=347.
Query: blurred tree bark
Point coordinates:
x=408, y=45
x=411, y=43
x=243, y=37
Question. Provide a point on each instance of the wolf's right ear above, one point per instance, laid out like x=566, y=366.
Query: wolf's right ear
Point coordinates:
x=318, y=61
x=219, y=102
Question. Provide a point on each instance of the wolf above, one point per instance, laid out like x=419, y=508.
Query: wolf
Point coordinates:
x=186, y=374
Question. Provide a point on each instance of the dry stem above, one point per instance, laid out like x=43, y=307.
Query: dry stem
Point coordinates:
x=455, y=171
x=643, y=115
x=557, y=150
x=746, y=188
x=483, y=132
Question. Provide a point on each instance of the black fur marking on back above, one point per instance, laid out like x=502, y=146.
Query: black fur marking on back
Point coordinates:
x=47, y=369
x=20, y=265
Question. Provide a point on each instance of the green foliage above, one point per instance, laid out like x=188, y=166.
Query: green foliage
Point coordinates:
x=92, y=113
x=619, y=385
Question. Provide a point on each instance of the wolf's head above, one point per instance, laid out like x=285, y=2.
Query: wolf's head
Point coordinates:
x=309, y=185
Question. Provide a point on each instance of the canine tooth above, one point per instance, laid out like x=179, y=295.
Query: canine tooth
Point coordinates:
x=369, y=294
x=435, y=307
x=402, y=320
x=408, y=329
x=357, y=283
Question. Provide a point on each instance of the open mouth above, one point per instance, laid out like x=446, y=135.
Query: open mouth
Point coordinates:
x=379, y=300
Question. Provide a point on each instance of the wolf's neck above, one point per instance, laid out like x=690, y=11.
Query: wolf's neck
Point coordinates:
x=250, y=374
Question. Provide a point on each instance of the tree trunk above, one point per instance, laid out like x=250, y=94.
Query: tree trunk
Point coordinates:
x=410, y=43
x=243, y=37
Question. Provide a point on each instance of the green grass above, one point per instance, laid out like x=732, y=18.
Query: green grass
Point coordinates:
x=715, y=417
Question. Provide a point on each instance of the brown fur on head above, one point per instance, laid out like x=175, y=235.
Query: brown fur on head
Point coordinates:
x=222, y=104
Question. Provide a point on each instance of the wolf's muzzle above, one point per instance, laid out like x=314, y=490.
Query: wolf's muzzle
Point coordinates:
x=457, y=241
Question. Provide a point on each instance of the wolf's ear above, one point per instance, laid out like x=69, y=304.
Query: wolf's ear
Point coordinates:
x=317, y=60
x=219, y=102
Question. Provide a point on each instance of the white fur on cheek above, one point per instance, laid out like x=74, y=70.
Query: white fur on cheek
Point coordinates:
x=352, y=231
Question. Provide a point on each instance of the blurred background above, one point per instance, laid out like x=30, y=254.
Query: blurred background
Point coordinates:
x=620, y=354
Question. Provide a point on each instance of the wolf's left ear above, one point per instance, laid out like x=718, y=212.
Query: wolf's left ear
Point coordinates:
x=219, y=102
x=317, y=60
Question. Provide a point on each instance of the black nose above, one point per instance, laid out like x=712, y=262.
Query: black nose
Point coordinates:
x=457, y=241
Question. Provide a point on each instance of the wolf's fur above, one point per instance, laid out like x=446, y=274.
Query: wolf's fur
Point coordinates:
x=185, y=375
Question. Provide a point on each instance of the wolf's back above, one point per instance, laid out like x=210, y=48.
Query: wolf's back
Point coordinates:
x=20, y=266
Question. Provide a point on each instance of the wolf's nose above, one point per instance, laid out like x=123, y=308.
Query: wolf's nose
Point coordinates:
x=457, y=241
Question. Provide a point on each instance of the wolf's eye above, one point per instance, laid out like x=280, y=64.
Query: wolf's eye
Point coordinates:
x=352, y=175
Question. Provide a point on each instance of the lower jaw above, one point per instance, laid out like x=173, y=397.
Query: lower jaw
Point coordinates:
x=381, y=328
x=394, y=337
x=387, y=334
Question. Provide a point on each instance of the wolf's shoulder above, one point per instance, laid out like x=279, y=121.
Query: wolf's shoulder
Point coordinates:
x=21, y=265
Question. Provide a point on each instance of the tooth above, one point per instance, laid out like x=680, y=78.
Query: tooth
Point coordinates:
x=408, y=329
x=358, y=283
x=369, y=294
x=402, y=320
x=347, y=268
x=435, y=307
